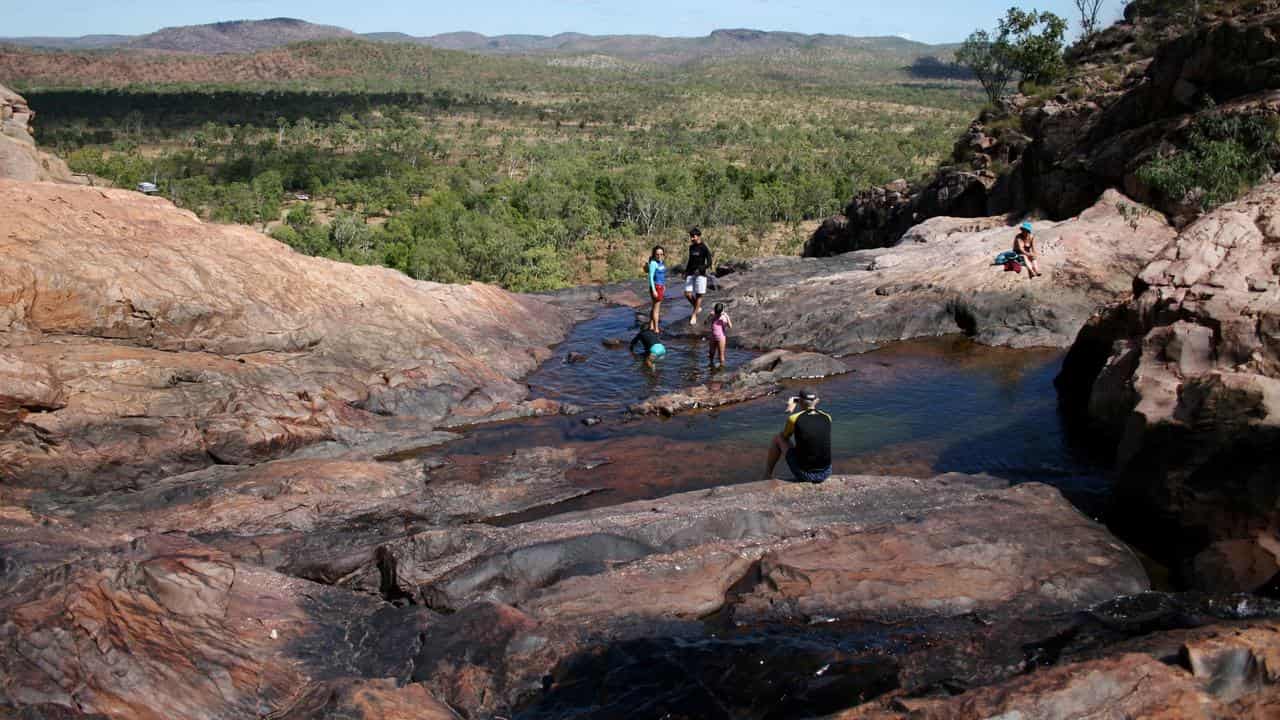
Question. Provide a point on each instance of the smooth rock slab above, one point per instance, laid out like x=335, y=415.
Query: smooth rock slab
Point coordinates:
x=185, y=344
x=855, y=548
x=941, y=281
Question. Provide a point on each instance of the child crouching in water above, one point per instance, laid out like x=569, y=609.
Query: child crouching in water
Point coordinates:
x=720, y=323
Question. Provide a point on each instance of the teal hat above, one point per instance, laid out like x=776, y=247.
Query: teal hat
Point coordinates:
x=658, y=350
x=1026, y=226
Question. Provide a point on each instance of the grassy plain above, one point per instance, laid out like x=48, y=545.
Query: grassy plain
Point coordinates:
x=532, y=172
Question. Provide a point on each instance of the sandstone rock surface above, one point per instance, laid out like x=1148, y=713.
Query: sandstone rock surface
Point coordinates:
x=140, y=343
x=538, y=595
x=757, y=378
x=165, y=628
x=19, y=157
x=1187, y=376
x=1217, y=670
x=940, y=280
x=1131, y=93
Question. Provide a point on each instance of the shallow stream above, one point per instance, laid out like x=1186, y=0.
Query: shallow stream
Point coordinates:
x=916, y=408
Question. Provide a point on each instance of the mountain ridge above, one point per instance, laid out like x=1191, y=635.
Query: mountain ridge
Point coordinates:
x=247, y=36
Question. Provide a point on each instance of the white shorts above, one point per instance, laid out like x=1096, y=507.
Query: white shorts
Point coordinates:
x=696, y=284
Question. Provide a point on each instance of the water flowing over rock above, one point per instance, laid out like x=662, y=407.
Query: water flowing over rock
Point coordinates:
x=1187, y=377
x=940, y=280
x=140, y=343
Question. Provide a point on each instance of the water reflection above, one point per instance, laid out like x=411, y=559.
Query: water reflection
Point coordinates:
x=916, y=408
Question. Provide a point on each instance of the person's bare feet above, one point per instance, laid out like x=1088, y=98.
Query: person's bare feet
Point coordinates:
x=693, y=319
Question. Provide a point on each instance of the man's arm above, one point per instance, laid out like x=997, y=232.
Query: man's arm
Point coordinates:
x=790, y=428
x=636, y=341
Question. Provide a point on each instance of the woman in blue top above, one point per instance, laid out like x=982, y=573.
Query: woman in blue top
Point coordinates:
x=657, y=285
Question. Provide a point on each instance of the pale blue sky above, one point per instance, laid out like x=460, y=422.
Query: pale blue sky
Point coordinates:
x=932, y=21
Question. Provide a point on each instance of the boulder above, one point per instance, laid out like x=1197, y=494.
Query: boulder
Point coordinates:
x=1187, y=378
x=943, y=282
x=185, y=344
x=758, y=378
x=19, y=157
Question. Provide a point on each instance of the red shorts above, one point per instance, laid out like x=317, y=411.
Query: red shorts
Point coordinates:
x=659, y=291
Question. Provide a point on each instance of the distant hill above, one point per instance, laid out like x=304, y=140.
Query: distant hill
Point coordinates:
x=236, y=36
x=248, y=36
x=674, y=50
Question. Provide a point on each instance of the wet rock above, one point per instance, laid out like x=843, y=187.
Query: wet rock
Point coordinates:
x=614, y=343
x=779, y=365
x=215, y=344
x=1190, y=388
x=701, y=397
x=758, y=378
x=575, y=357
x=592, y=421
x=946, y=284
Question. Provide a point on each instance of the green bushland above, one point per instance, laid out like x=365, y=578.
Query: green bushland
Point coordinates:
x=515, y=172
x=1223, y=156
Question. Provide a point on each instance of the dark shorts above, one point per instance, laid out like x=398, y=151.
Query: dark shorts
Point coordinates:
x=659, y=291
x=805, y=475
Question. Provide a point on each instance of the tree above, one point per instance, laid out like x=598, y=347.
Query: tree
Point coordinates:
x=1034, y=40
x=989, y=61
x=1089, y=10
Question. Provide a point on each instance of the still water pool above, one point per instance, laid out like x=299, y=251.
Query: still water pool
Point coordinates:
x=916, y=408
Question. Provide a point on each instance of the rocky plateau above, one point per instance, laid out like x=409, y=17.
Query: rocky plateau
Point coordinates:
x=224, y=491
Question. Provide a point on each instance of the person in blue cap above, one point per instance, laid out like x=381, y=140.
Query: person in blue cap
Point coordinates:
x=647, y=343
x=1025, y=245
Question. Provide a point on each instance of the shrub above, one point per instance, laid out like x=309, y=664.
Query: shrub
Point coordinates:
x=1224, y=155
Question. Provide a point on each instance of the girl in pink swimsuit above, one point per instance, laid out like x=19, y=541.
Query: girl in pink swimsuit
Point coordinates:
x=720, y=323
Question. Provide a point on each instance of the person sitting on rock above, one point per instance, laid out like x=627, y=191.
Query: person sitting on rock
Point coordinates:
x=648, y=344
x=810, y=429
x=1025, y=245
x=695, y=273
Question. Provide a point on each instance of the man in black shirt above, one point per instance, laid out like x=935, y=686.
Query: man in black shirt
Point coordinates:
x=810, y=428
x=695, y=273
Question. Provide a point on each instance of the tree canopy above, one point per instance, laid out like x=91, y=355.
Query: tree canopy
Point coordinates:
x=1028, y=44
